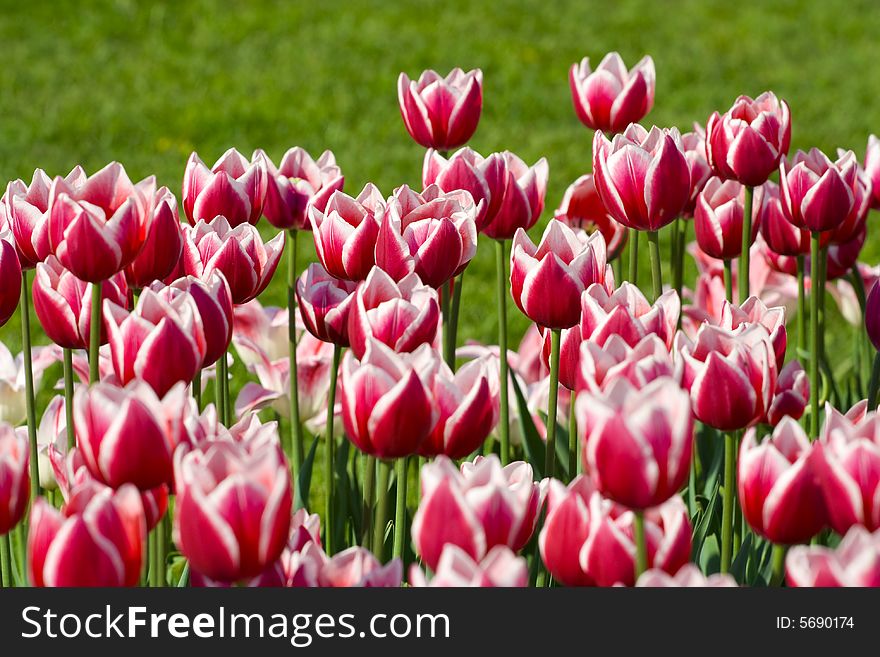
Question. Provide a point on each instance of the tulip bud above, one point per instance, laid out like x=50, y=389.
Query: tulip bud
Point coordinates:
x=627, y=313
x=854, y=562
x=718, y=219
x=522, y=200
x=754, y=311
x=855, y=220
x=779, y=233
x=14, y=477
x=818, y=194
x=324, y=303
x=610, y=98
x=582, y=208
x=10, y=281
x=233, y=188
x=499, y=568
x=599, y=366
x=438, y=112
x=694, y=144
x=483, y=178
x=162, y=246
x=791, y=395
x=688, y=576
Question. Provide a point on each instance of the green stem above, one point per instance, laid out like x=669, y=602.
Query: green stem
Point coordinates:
x=814, y=334
x=29, y=386
x=641, y=543
x=95, y=335
x=550, y=455
x=456, y=307
x=68, y=397
x=572, y=436
x=504, y=421
x=219, y=399
x=633, y=256
x=822, y=273
x=5, y=562
x=197, y=389
x=369, y=494
x=679, y=236
x=400, y=508
x=151, y=558
x=446, y=311
x=383, y=474
x=778, y=565
x=297, y=449
x=330, y=454
x=874, y=383
x=801, y=308
x=730, y=444
x=157, y=573
x=728, y=280
x=654, y=254
x=743, y=272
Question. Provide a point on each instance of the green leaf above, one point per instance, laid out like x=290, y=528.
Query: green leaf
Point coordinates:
x=304, y=481
x=184, y=576
x=533, y=444
x=745, y=554
x=705, y=524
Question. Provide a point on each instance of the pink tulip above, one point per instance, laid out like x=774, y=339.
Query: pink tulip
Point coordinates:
x=872, y=316
x=643, y=177
x=485, y=179
x=779, y=233
x=438, y=112
x=51, y=438
x=718, y=219
x=599, y=366
x=610, y=98
x=161, y=341
x=791, y=396
x=588, y=540
x=97, y=226
x=162, y=246
x=872, y=168
x=581, y=208
x=694, y=144
x=747, y=142
x=324, y=303
x=296, y=184
x=357, y=567
x=346, y=231
x=12, y=380
x=854, y=223
x=233, y=188
x=499, y=568
x=731, y=375
x=547, y=280
x=476, y=508
x=522, y=200
x=627, y=313
x=688, y=576
x=754, y=311
x=818, y=194
x=432, y=234
x=63, y=303
x=387, y=408
x=232, y=517
x=402, y=315
x=266, y=328
x=778, y=487
x=854, y=562
x=96, y=540
x=238, y=253
x=14, y=477
x=11, y=277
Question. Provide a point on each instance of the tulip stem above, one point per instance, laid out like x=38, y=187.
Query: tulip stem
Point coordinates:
x=219, y=400
x=815, y=291
x=297, y=453
x=29, y=386
x=801, y=308
x=778, y=565
x=550, y=454
x=383, y=474
x=330, y=453
x=504, y=421
x=456, y=308
x=633, y=256
x=5, y=562
x=446, y=311
x=197, y=389
x=641, y=542
x=572, y=436
x=400, y=510
x=369, y=493
x=743, y=282
x=679, y=237
x=874, y=383
x=728, y=279
x=157, y=572
x=95, y=336
x=654, y=254
x=68, y=397
x=730, y=444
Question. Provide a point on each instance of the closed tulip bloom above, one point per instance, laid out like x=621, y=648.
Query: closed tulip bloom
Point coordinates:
x=11, y=276
x=387, y=408
x=51, y=438
x=358, y=567
x=778, y=487
x=627, y=313
x=688, y=576
x=232, y=517
x=346, y=232
x=98, y=226
x=439, y=112
x=872, y=168
x=731, y=375
x=96, y=540
x=718, y=219
x=238, y=253
x=432, y=234
x=233, y=188
x=324, y=303
x=747, y=142
x=296, y=184
x=582, y=209
x=862, y=197
x=872, y=316
x=522, y=200
x=818, y=194
x=694, y=144
x=612, y=97
x=854, y=562
x=476, y=508
x=643, y=177
x=547, y=280
x=13, y=405
x=14, y=477
x=483, y=178
x=599, y=366
x=63, y=303
x=27, y=210
x=791, y=396
x=500, y=568
x=779, y=233
x=402, y=315
x=754, y=311
x=638, y=443
x=163, y=244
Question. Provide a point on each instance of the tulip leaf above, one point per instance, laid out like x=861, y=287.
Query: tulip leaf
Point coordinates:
x=533, y=444
x=745, y=554
x=304, y=482
x=184, y=576
x=341, y=503
x=705, y=523
x=561, y=469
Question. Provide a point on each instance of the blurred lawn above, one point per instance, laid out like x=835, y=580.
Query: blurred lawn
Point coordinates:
x=147, y=83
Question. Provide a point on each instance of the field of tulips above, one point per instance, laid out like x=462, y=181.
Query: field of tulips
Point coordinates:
x=658, y=430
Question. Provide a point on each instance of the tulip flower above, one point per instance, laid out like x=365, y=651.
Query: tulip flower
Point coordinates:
x=234, y=501
x=266, y=328
x=854, y=562
x=638, y=443
x=14, y=477
x=791, y=395
x=872, y=168
x=233, y=188
x=387, y=408
x=485, y=179
x=97, y=226
x=818, y=194
x=499, y=568
x=747, y=142
x=599, y=366
x=476, y=508
x=298, y=183
x=694, y=144
x=238, y=253
x=522, y=199
x=778, y=487
x=12, y=381
x=162, y=246
x=779, y=233
x=688, y=576
x=582, y=209
x=357, y=567
x=402, y=315
x=324, y=303
x=97, y=540
x=610, y=98
x=754, y=311
x=161, y=341
x=63, y=303
x=627, y=313
x=432, y=234
x=718, y=219
x=11, y=277
x=862, y=196
x=51, y=439
x=439, y=112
